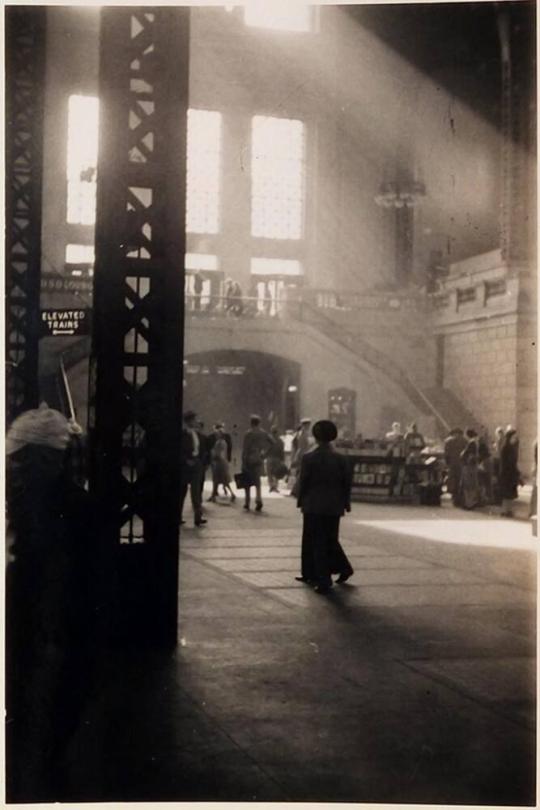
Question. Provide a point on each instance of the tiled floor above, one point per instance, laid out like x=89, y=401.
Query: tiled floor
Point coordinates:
x=413, y=683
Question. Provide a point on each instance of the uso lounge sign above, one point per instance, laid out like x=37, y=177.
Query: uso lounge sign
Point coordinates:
x=68, y=322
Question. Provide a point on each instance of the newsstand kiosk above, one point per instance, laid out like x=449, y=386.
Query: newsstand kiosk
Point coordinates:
x=379, y=476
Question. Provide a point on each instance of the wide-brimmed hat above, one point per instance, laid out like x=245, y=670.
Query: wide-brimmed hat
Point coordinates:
x=43, y=426
x=325, y=431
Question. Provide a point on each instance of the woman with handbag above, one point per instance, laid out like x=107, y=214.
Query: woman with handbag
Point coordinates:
x=221, y=474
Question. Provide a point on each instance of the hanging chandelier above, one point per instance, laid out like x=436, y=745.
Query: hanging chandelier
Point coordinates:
x=400, y=194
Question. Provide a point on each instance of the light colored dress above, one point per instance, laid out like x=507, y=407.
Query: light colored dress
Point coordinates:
x=220, y=466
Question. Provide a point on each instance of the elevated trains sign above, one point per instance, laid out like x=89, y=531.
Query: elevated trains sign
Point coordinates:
x=67, y=322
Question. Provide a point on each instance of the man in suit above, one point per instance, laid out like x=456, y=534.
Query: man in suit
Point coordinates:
x=192, y=466
x=454, y=445
x=324, y=495
x=256, y=444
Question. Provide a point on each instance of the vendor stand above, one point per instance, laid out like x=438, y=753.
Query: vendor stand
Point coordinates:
x=382, y=475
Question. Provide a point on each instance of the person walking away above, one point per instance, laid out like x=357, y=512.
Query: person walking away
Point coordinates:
x=275, y=460
x=228, y=303
x=302, y=444
x=324, y=495
x=219, y=430
x=192, y=467
x=469, y=486
x=219, y=455
x=510, y=477
x=236, y=297
x=256, y=444
x=454, y=445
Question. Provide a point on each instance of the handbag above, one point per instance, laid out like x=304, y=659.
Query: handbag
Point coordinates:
x=243, y=480
x=281, y=471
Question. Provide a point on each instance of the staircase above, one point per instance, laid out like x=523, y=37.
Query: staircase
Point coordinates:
x=349, y=340
x=452, y=409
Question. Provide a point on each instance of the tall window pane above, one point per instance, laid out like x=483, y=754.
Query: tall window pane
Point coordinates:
x=277, y=177
x=203, y=169
x=82, y=154
x=285, y=15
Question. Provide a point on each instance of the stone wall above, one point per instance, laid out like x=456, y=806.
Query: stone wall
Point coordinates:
x=480, y=368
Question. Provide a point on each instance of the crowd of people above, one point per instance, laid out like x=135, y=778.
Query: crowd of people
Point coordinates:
x=49, y=586
x=479, y=472
x=482, y=472
x=265, y=297
x=320, y=481
x=262, y=453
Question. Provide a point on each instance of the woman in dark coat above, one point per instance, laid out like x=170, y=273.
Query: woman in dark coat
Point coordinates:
x=324, y=495
x=51, y=605
x=510, y=476
x=469, y=488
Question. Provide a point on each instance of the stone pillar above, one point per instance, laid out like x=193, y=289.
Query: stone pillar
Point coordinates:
x=235, y=232
x=518, y=209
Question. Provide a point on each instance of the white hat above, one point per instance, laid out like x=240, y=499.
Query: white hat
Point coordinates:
x=43, y=426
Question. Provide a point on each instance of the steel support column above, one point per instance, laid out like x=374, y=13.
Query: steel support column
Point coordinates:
x=25, y=75
x=136, y=368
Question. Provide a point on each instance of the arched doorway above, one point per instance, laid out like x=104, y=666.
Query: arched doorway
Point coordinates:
x=228, y=385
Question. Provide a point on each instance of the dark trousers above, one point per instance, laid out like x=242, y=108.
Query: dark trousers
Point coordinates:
x=192, y=478
x=322, y=554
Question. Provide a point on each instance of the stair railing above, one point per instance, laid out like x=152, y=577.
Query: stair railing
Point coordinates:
x=310, y=314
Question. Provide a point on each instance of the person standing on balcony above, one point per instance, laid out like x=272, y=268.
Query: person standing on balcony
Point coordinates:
x=324, y=495
x=236, y=298
x=228, y=296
